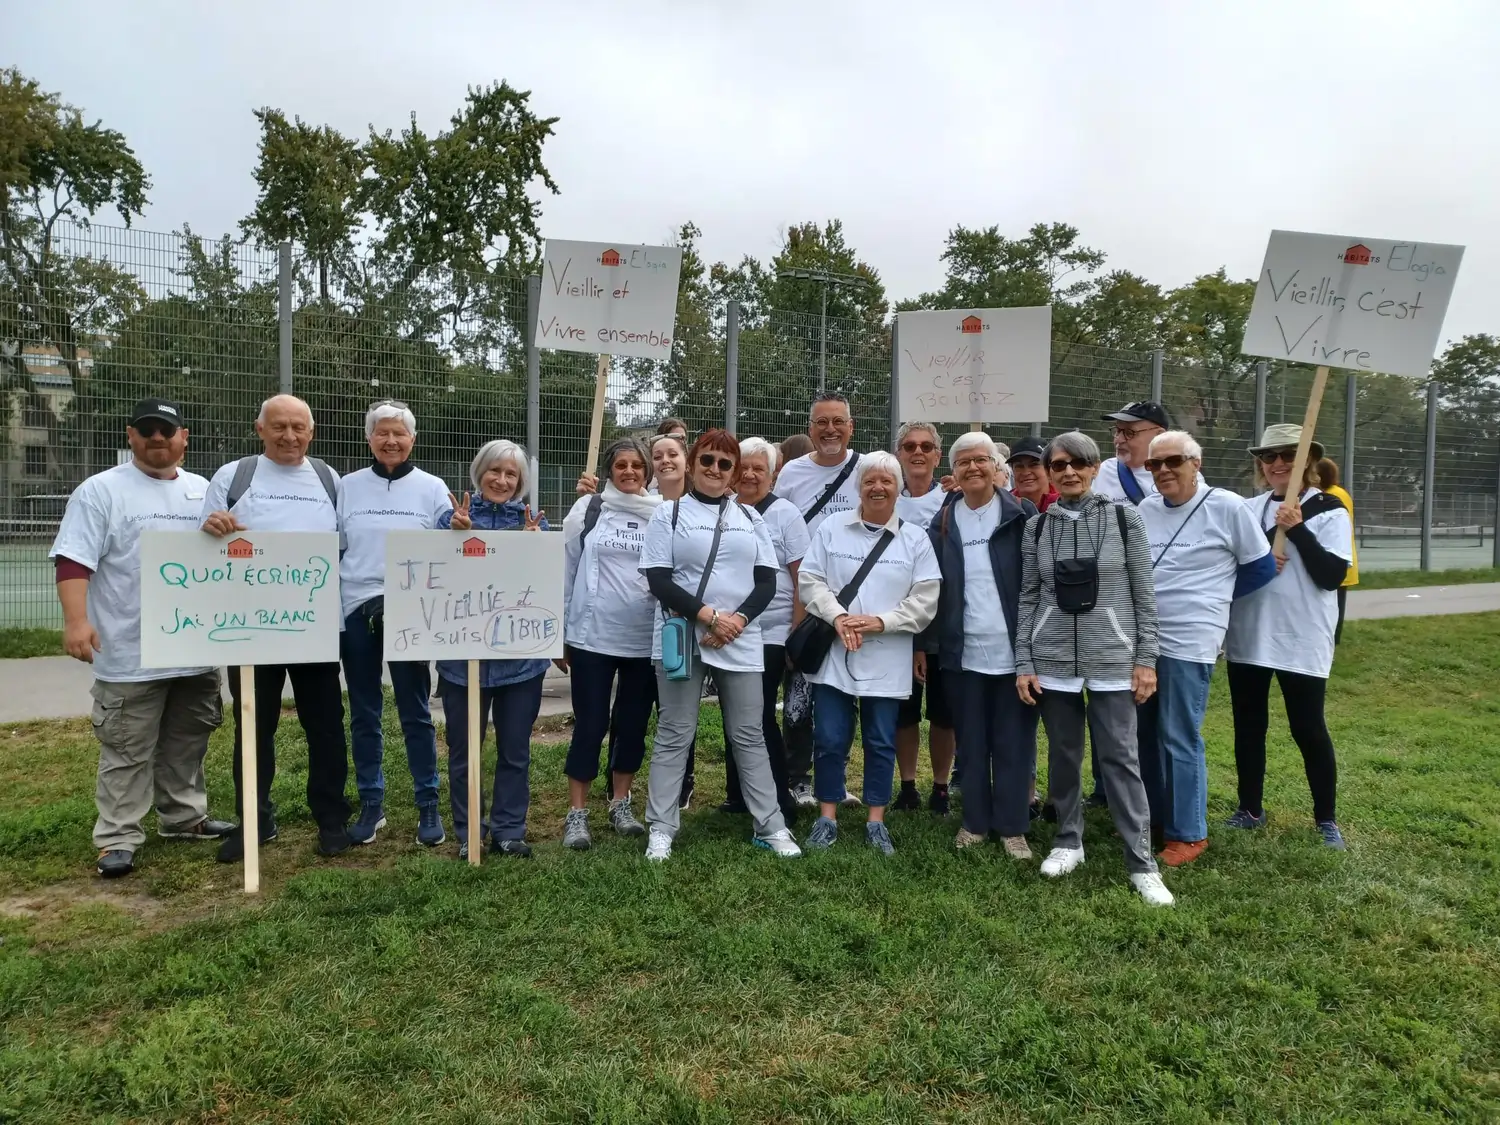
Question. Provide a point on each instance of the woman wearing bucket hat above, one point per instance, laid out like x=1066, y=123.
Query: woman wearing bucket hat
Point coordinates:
x=1286, y=629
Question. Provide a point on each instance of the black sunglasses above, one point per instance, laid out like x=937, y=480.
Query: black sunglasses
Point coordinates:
x=708, y=460
x=1173, y=461
x=914, y=446
x=150, y=427
x=1077, y=464
x=1271, y=456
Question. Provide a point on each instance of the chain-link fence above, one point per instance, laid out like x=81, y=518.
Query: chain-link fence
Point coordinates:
x=93, y=319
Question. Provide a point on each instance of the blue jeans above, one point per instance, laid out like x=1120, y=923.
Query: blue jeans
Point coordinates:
x=1173, y=757
x=833, y=735
x=360, y=644
x=514, y=708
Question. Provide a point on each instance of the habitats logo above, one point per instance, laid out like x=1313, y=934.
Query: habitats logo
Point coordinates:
x=475, y=548
x=241, y=548
x=972, y=326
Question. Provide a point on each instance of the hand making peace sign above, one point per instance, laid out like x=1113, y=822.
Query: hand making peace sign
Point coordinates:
x=460, y=520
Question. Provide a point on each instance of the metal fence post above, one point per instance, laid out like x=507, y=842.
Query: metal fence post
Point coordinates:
x=533, y=387
x=1262, y=374
x=895, y=376
x=1495, y=529
x=732, y=367
x=284, y=308
x=1156, y=361
x=1429, y=475
x=1346, y=471
x=1036, y=430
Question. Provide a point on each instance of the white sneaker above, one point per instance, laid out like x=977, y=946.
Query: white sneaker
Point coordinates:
x=1060, y=861
x=803, y=795
x=850, y=801
x=1151, y=888
x=658, y=846
x=781, y=843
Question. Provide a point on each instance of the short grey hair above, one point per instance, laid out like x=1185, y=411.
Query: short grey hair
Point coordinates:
x=1076, y=444
x=388, y=410
x=501, y=449
x=908, y=427
x=757, y=446
x=1190, y=446
x=976, y=439
x=829, y=396
x=626, y=445
x=260, y=419
x=879, y=461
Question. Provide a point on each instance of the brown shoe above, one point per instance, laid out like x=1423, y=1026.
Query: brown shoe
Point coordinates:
x=967, y=839
x=1016, y=847
x=1180, y=852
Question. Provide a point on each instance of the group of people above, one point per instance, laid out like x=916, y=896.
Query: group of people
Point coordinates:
x=819, y=589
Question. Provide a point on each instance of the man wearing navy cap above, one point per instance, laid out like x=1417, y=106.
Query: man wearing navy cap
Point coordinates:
x=152, y=723
x=1123, y=478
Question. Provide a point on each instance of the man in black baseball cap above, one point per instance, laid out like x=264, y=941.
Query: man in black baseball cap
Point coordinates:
x=160, y=409
x=1123, y=478
x=157, y=435
x=1028, y=475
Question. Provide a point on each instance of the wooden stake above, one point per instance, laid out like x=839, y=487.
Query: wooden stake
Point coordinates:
x=249, y=781
x=474, y=764
x=1304, y=446
x=596, y=424
x=975, y=427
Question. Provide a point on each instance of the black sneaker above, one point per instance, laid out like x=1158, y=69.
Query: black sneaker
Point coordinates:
x=938, y=803
x=516, y=849
x=1035, y=811
x=232, y=850
x=1097, y=800
x=732, y=807
x=908, y=800
x=115, y=862
x=334, y=841
x=1244, y=818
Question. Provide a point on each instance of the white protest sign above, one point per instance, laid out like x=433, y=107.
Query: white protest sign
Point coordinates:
x=1369, y=304
x=609, y=297
x=255, y=597
x=974, y=365
x=473, y=595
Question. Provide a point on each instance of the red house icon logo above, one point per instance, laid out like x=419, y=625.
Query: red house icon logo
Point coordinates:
x=474, y=548
x=1357, y=255
x=971, y=324
x=240, y=549
x=609, y=258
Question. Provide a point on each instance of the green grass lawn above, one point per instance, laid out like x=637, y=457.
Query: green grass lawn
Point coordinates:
x=1290, y=983
x=1393, y=579
x=18, y=643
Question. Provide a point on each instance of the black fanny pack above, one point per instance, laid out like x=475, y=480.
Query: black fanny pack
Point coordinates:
x=1076, y=584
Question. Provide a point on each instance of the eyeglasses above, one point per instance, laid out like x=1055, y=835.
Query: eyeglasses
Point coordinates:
x=1128, y=432
x=1077, y=464
x=150, y=427
x=1174, y=461
x=708, y=461
x=1271, y=456
x=917, y=447
x=836, y=423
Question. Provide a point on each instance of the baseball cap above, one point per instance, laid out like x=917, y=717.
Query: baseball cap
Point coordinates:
x=162, y=409
x=1152, y=412
x=1027, y=447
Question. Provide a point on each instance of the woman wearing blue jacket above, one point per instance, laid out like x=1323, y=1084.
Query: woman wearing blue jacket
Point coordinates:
x=977, y=538
x=510, y=690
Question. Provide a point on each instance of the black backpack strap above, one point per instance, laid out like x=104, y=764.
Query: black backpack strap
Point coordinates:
x=1036, y=535
x=828, y=493
x=330, y=482
x=591, y=515
x=244, y=473
x=1120, y=515
x=846, y=595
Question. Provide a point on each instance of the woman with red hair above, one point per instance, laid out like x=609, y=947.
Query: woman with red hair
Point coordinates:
x=710, y=560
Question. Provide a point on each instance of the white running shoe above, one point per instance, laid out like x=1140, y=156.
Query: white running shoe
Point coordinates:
x=1151, y=888
x=1060, y=861
x=803, y=795
x=850, y=801
x=658, y=846
x=781, y=843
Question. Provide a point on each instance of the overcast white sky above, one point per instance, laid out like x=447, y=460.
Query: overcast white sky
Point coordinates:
x=1173, y=135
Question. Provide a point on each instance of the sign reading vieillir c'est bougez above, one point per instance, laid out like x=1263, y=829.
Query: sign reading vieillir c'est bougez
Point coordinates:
x=609, y=297
x=1367, y=304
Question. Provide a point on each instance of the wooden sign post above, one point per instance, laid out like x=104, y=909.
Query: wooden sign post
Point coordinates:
x=596, y=423
x=1363, y=304
x=476, y=764
x=249, y=781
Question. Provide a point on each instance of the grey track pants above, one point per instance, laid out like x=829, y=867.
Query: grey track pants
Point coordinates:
x=1111, y=722
x=677, y=723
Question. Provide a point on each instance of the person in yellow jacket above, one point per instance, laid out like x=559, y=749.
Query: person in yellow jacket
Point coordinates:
x=1328, y=481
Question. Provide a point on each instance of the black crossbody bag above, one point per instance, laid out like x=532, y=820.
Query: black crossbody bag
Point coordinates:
x=808, y=645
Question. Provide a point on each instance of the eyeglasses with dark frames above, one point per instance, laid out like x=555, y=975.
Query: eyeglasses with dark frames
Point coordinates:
x=1271, y=456
x=1171, y=461
x=708, y=460
x=1077, y=464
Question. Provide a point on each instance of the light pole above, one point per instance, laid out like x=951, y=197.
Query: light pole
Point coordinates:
x=826, y=279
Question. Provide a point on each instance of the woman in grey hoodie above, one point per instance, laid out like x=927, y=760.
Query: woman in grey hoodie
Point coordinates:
x=1086, y=649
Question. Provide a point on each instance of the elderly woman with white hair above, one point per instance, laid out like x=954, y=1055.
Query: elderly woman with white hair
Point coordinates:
x=510, y=690
x=977, y=537
x=1086, y=652
x=389, y=494
x=874, y=578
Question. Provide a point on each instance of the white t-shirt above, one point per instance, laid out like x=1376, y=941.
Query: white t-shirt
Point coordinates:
x=101, y=529
x=881, y=666
x=920, y=509
x=1215, y=535
x=1288, y=623
x=609, y=607
x=278, y=499
x=745, y=545
x=803, y=481
x=789, y=537
x=987, y=646
x=371, y=505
